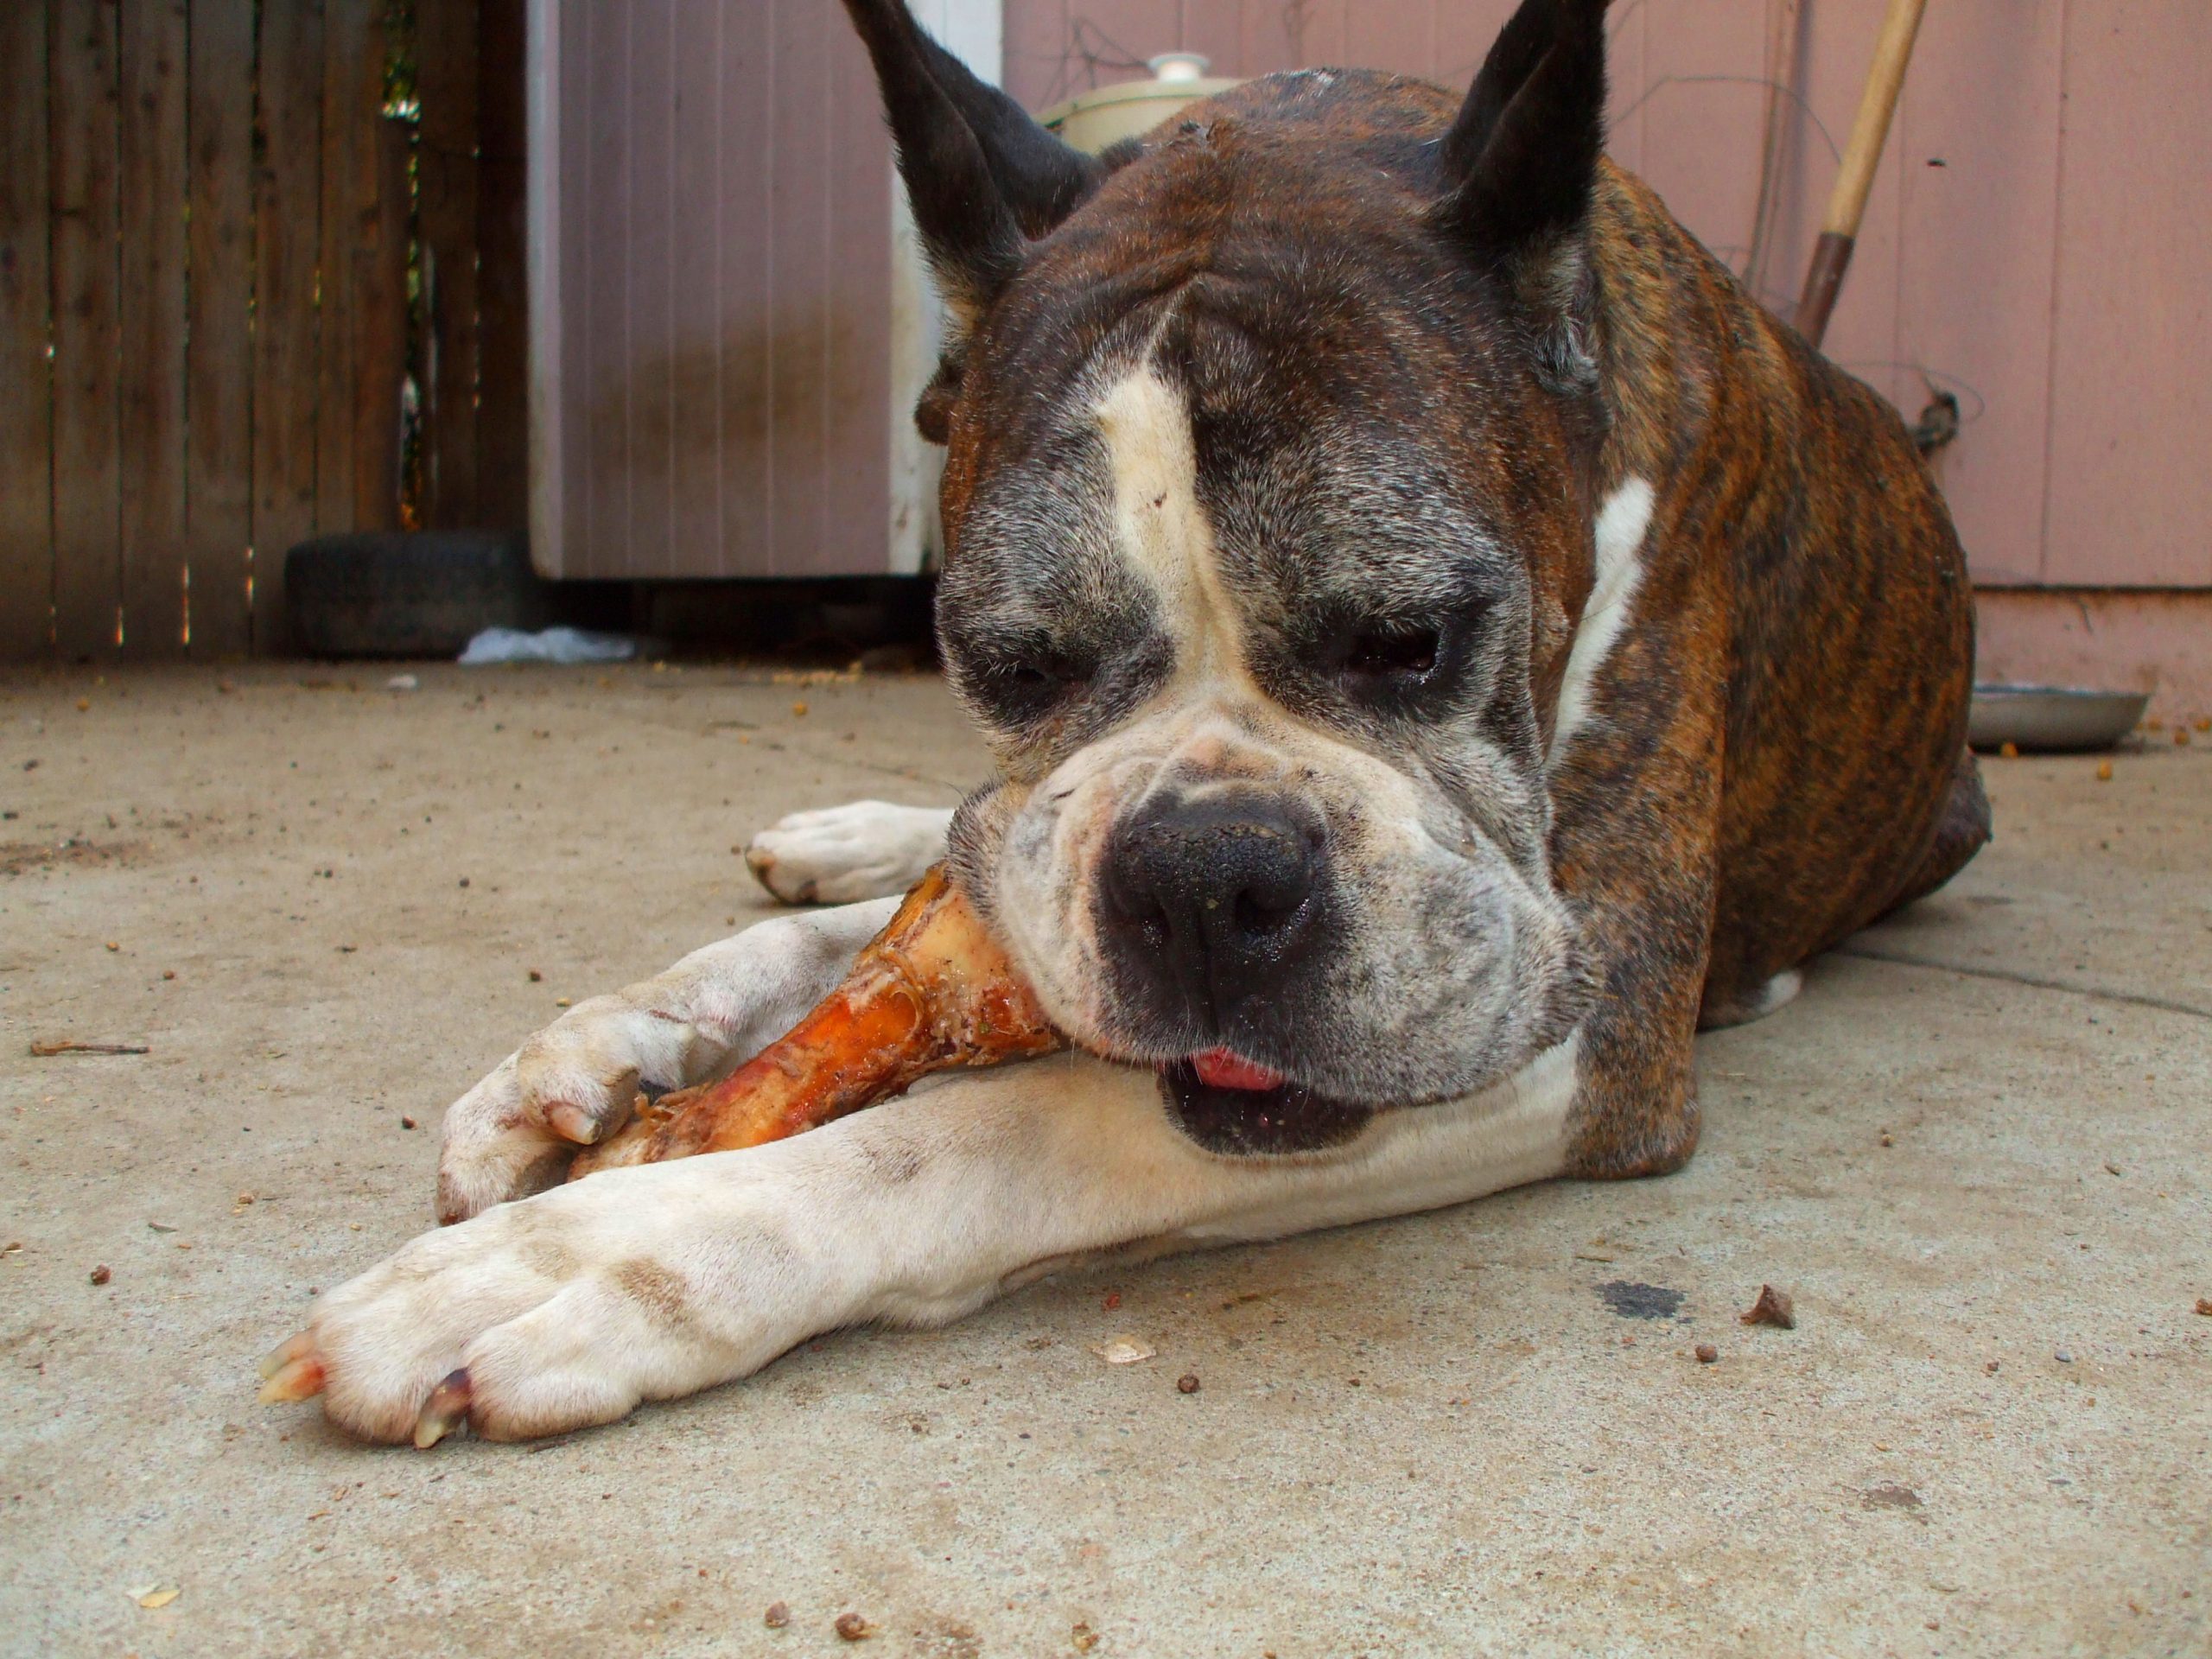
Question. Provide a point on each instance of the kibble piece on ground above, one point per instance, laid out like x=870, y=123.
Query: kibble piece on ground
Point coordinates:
x=776, y=1617
x=1187, y=1383
x=1707, y=1353
x=853, y=1627
x=1773, y=1307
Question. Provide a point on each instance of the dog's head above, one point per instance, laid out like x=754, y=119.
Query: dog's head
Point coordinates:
x=1271, y=445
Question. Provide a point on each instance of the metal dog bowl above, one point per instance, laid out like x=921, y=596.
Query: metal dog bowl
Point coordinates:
x=2054, y=718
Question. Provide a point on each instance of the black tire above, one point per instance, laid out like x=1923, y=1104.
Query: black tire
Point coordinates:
x=395, y=594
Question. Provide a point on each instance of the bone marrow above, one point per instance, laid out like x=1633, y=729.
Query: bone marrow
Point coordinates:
x=933, y=990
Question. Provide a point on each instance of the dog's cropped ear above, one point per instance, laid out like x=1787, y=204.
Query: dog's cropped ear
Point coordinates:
x=1521, y=160
x=983, y=176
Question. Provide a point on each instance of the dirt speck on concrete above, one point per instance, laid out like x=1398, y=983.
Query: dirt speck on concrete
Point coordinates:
x=1639, y=1301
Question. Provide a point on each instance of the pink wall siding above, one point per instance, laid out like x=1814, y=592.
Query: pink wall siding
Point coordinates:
x=2129, y=488
x=723, y=251
x=2037, y=241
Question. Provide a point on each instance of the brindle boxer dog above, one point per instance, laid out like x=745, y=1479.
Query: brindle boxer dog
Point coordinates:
x=1442, y=642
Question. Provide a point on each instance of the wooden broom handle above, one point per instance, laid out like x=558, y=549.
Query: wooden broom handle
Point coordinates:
x=1855, y=181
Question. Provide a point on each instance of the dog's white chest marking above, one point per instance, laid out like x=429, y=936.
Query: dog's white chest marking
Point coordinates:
x=1160, y=527
x=1621, y=522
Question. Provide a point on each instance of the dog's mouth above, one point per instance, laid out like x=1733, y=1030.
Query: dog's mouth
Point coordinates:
x=1229, y=1104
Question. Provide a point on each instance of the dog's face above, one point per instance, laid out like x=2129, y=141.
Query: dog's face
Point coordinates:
x=1266, y=507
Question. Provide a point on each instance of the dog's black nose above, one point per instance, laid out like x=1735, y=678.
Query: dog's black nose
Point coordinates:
x=1215, y=893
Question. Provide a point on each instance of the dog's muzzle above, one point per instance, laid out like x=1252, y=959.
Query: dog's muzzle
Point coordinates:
x=1216, y=907
x=1211, y=903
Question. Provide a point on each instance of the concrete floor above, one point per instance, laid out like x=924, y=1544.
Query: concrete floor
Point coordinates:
x=1979, y=1150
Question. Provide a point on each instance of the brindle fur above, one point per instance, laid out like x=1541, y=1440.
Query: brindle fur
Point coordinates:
x=1288, y=449
x=1785, y=722
x=1805, y=713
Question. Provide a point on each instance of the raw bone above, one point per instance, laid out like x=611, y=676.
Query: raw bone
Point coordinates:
x=932, y=990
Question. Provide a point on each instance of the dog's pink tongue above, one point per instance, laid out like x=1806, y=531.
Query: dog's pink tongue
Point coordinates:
x=1219, y=1069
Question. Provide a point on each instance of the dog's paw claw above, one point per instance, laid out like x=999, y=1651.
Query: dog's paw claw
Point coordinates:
x=573, y=1123
x=292, y=1371
x=284, y=1353
x=446, y=1409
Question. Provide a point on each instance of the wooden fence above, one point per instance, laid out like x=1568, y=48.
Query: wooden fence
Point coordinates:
x=261, y=278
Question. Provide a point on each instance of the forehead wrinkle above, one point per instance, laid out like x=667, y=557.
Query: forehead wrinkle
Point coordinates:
x=1016, y=571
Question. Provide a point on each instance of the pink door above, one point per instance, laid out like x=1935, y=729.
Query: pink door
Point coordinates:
x=711, y=224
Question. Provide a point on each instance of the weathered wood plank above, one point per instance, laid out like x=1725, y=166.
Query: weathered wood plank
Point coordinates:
x=150, y=163
x=502, y=290
x=287, y=208
x=218, y=355
x=26, y=379
x=447, y=81
x=352, y=83
x=561, y=388
x=87, y=566
x=379, y=321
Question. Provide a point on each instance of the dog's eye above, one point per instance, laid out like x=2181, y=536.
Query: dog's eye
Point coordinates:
x=1026, y=688
x=1392, y=653
x=1043, y=673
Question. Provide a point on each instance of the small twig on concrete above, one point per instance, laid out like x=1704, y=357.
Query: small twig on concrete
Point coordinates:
x=43, y=1051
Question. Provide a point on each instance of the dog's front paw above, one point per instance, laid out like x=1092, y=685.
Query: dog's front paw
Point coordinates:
x=562, y=1312
x=866, y=850
x=573, y=1083
x=569, y=1085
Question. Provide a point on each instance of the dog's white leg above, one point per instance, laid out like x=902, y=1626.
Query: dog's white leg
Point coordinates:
x=653, y=1281
x=573, y=1081
x=1105, y=1169
x=841, y=855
